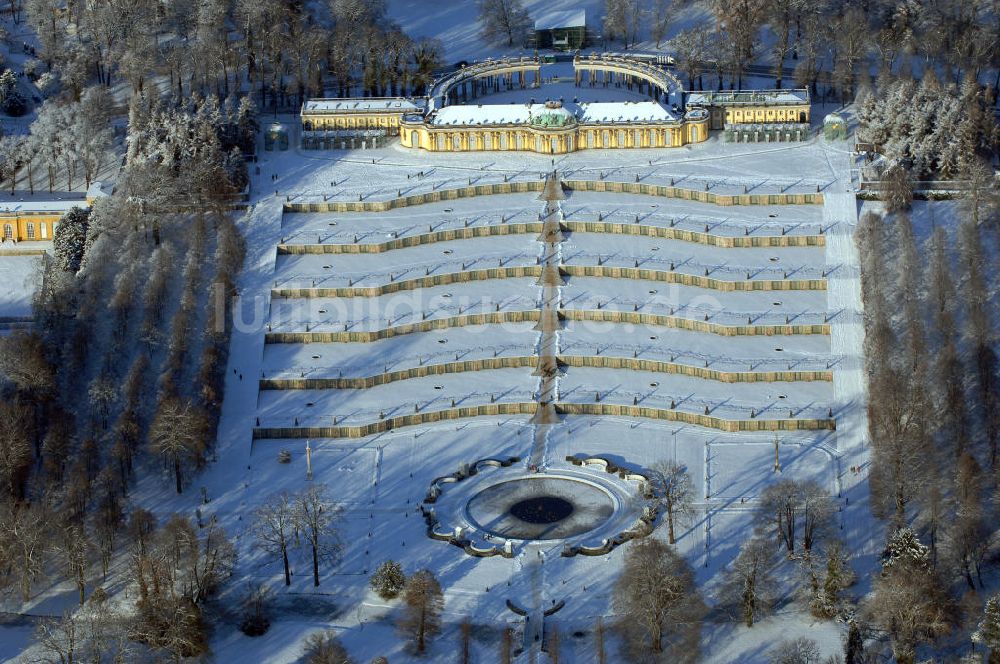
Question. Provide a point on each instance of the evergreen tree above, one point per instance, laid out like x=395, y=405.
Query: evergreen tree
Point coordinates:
x=987, y=634
x=70, y=238
x=388, y=580
x=8, y=83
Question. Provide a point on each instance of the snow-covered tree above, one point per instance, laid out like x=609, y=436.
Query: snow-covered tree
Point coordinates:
x=69, y=240
x=503, y=21
x=674, y=491
x=658, y=602
x=801, y=650
x=987, y=633
x=388, y=579
x=750, y=584
x=275, y=528
x=904, y=548
x=909, y=600
x=316, y=516
x=325, y=648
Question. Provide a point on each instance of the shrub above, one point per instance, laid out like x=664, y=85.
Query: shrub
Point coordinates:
x=388, y=580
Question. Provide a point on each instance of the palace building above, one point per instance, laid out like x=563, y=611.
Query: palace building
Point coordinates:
x=34, y=218
x=752, y=106
x=379, y=113
x=457, y=116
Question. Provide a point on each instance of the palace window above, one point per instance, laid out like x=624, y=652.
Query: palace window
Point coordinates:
x=43, y=227
x=8, y=232
x=31, y=231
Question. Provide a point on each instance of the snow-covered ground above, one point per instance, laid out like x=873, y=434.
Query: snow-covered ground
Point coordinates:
x=19, y=279
x=381, y=479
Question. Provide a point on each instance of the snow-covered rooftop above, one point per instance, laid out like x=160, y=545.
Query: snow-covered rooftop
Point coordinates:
x=522, y=114
x=23, y=203
x=570, y=18
x=349, y=105
x=626, y=111
x=738, y=97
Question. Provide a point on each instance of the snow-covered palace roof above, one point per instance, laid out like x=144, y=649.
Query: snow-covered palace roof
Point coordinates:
x=523, y=114
x=748, y=97
x=360, y=105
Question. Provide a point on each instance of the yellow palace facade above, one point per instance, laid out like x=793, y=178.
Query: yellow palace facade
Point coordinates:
x=453, y=119
x=34, y=218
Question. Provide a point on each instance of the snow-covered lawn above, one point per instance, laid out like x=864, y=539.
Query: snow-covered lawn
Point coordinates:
x=19, y=279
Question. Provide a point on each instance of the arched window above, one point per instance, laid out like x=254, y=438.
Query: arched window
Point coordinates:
x=44, y=228
x=31, y=230
x=8, y=232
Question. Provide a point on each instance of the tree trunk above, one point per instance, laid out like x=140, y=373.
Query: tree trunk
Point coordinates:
x=420, y=630
x=284, y=559
x=315, y=566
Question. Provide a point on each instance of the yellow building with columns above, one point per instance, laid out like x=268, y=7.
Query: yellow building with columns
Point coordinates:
x=452, y=118
x=368, y=113
x=752, y=106
x=33, y=218
x=552, y=128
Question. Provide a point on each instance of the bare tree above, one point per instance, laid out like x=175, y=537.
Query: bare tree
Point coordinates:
x=602, y=657
x=981, y=202
x=15, y=446
x=623, y=17
x=661, y=15
x=507, y=646
x=178, y=435
x=750, y=582
x=740, y=20
x=423, y=603
x=658, y=602
x=325, y=648
x=552, y=648
x=24, y=544
x=800, y=650
x=896, y=189
x=691, y=47
x=74, y=549
x=968, y=537
x=59, y=638
x=674, y=490
x=274, y=528
x=316, y=517
x=503, y=20
x=780, y=15
x=779, y=509
x=817, y=511
x=465, y=633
